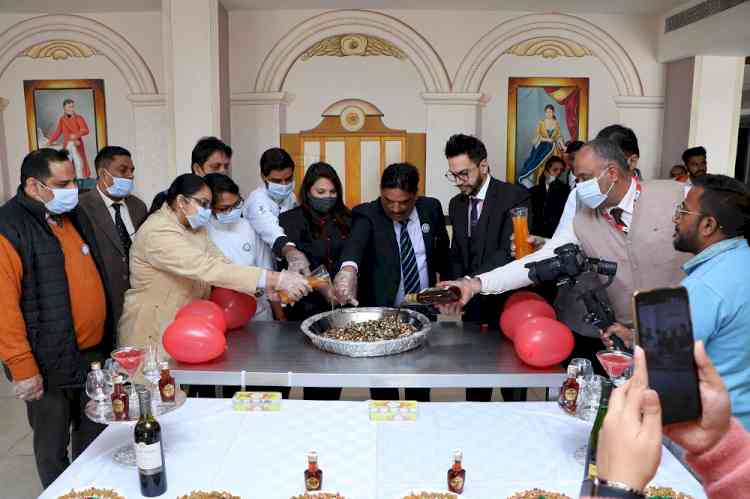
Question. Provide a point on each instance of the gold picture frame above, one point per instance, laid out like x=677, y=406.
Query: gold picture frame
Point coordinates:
x=47, y=118
x=558, y=93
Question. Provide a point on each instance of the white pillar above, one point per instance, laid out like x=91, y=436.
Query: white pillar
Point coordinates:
x=6, y=188
x=715, y=109
x=192, y=59
x=447, y=114
x=258, y=120
x=645, y=115
x=153, y=172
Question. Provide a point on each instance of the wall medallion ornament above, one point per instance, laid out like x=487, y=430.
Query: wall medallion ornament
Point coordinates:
x=549, y=48
x=59, y=50
x=352, y=118
x=353, y=45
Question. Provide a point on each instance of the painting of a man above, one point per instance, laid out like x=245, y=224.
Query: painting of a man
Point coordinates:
x=72, y=127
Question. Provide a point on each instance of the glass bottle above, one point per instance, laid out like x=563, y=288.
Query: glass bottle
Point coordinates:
x=590, y=470
x=149, y=453
x=313, y=474
x=434, y=296
x=456, y=474
x=166, y=384
x=98, y=389
x=569, y=391
x=120, y=403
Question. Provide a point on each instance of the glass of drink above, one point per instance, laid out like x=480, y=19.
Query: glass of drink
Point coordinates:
x=617, y=364
x=588, y=405
x=520, y=218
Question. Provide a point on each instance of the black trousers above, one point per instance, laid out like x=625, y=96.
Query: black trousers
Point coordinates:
x=58, y=419
x=485, y=394
x=418, y=394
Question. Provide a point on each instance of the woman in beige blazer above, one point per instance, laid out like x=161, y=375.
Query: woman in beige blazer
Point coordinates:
x=173, y=262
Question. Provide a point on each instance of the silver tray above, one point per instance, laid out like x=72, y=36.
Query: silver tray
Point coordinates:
x=160, y=408
x=314, y=326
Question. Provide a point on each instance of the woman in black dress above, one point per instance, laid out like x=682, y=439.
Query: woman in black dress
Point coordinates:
x=548, y=199
x=319, y=227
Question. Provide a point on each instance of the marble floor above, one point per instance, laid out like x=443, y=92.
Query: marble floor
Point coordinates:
x=18, y=478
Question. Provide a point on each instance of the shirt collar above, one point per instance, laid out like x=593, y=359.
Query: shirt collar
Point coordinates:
x=413, y=216
x=627, y=203
x=714, y=250
x=108, y=202
x=483, y=191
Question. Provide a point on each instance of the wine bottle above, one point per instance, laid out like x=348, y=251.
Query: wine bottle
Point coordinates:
x=590, y=471
x=149, y=454
x=434, y=296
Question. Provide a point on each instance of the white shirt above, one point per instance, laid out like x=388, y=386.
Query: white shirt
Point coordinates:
x=242, y=245
x=514, y=275
x=124, y=213
x=414, y=229
x=480, y=196
x=627, y=204
x=263, y=214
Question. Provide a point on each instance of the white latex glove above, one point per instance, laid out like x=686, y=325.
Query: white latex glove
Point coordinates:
x=536, y=243
x=469, y=288
x=29, y=389
x=297, y=261
x=293, y=284
x=345, y=286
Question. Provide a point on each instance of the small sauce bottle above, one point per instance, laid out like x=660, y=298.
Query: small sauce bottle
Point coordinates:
x=456, y=474
x=569, y=391
x=313, y=474
x=434, y=296
x=166, y=384
x=119, y=400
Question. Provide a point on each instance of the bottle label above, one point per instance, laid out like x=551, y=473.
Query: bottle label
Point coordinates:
x=168, y=391
x=148, y=458
x=457, y=483
x=118, y=406
x=571, y=394
x=312, y=483
x=592, y=471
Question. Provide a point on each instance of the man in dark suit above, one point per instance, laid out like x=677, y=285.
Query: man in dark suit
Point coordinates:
x=398, y=245
x=111, y=215
x=480, y=217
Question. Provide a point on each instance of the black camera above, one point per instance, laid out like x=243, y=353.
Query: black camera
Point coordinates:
x=569, y=263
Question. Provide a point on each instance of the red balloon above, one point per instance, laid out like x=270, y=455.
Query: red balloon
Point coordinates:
x=521, y=296
x=515, y=315
x=543, y=342
x=238, y=307
x=193, y=340
x=207, y=310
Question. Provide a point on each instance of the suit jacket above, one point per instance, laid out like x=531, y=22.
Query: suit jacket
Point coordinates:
x=373, y=247
x=547, y=207
x=97, y=225
x=491, y=241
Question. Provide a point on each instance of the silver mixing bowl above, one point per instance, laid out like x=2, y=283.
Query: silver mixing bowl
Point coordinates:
x=316, y=325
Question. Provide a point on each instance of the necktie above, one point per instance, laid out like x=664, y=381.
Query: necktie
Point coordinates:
x=122, y=231
x=409, y=270
x=617, y=216
x=473, y=216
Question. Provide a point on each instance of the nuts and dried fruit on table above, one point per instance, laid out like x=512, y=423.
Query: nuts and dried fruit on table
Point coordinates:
x=388, y=328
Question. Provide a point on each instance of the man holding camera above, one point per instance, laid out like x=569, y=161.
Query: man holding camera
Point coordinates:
x=619, y=219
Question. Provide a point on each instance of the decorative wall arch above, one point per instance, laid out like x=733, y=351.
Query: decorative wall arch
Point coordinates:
x=101, y=38
x=494, y=44
x=287, y=51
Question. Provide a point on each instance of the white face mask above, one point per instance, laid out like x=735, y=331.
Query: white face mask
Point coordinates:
x=229, y=217
x=63, y=200
x=279, y=192
x=590, y=194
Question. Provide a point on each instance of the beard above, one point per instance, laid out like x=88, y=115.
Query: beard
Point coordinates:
x=685, y=243
x=473, y=190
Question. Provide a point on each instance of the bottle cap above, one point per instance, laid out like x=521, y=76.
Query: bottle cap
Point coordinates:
x=458, y=455
x=117, y=379
x=163, y=365
x=312, y=457
x=572, y=371
x=96, y=366
x=410, y=298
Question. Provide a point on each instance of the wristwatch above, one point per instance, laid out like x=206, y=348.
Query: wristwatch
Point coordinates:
x=605, y=488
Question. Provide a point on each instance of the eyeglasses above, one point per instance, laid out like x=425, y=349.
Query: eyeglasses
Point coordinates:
x=454, y=178
x=679, y=210
x=203, y=203
x=235, y=206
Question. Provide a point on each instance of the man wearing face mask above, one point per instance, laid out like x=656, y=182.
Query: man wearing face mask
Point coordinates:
x=269, y=200
x=620, y=219
x=53, y=308
x=111, y=215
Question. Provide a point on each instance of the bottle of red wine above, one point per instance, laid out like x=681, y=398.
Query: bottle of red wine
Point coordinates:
x=149, y=454
x=590, y=472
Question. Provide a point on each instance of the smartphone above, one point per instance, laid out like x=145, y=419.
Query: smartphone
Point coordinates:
x=665, y=332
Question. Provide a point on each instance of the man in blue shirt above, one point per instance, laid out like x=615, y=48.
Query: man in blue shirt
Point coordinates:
x=713, y=223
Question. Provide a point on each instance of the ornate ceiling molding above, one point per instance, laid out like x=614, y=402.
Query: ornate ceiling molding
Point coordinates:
x=549, y=48
x=353, y=45
x=309, y=33
x=59, y=50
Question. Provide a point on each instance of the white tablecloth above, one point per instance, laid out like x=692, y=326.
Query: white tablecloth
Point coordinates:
x=507, y=447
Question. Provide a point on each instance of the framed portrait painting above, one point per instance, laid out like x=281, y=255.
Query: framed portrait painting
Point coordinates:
x=70, y=115
x=544, y=114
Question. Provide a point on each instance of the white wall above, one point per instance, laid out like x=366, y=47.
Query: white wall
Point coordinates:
x=677, y=105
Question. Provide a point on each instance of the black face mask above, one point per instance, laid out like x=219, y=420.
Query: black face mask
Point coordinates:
x=322, y=205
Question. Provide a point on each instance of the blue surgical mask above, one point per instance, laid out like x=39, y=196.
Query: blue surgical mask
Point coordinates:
x=200, y=218
x=279, y=192
x=590, y=194
x=63, y=200
x=229, y=217
x=121, y=187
